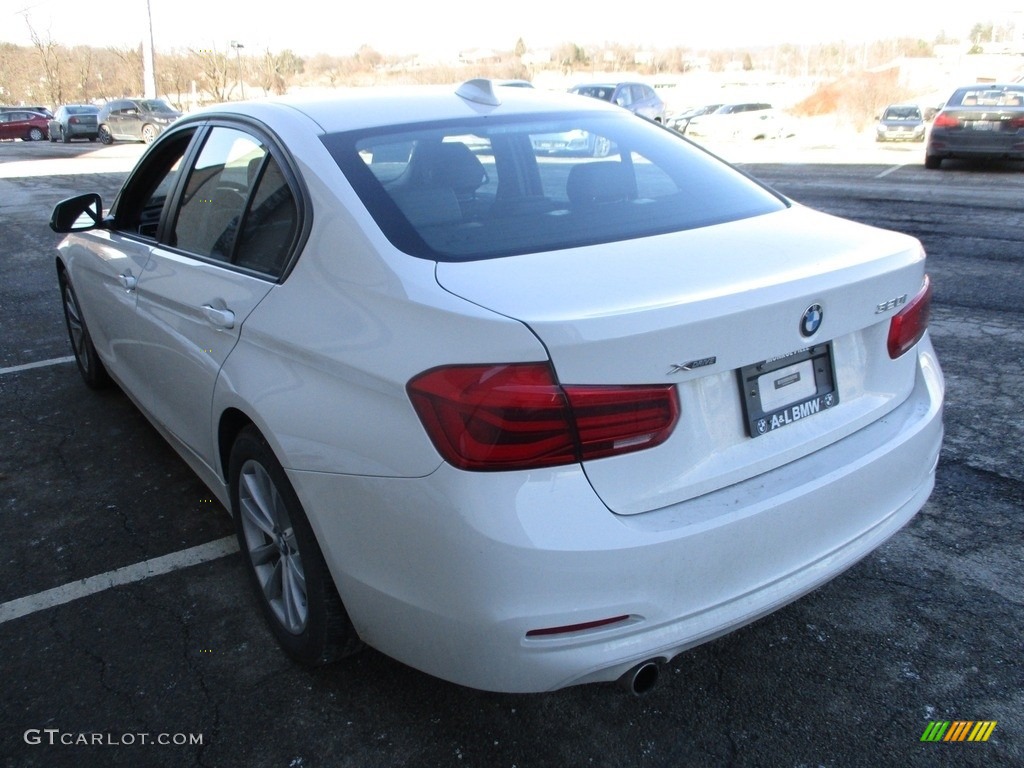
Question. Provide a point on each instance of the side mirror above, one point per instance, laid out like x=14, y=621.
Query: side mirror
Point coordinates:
x=77, y=214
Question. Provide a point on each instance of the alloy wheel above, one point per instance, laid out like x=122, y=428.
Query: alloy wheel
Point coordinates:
x=272, y=547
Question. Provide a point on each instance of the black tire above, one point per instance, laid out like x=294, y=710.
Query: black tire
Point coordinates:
x=53, y=137
x=104, y=135
x=309, y=620
x=89, y=364
x=64, y=136
x=932, y=162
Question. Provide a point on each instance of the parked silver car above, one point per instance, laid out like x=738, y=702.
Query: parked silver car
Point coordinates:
x=75, y=121
x=901, y=122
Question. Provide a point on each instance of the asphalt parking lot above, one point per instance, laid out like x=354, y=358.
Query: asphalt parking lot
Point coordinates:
x=129, y=635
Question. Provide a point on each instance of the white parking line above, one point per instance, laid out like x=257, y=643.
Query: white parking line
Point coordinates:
x=40, y=364
x=891, y=169
x=203, y=553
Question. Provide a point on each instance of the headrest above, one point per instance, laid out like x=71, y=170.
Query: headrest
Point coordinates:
x=594, y=183
x=452, y=164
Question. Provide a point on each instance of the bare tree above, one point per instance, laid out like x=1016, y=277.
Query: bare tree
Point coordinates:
x=274, y=70
x=17, y=68
x=126, y=77
x=49, y=54
x=216, y=72
x=177, y=76
x=82, y=64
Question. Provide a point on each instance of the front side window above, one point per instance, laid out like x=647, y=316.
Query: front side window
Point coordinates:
x=139, y=206
x=489, y=187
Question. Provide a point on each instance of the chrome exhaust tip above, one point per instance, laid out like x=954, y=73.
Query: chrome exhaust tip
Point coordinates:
x=641, y=679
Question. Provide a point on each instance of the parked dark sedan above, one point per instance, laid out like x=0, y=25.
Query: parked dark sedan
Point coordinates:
x=30, y=126
x=75, y=121
x=135, y=119
x=983, y=120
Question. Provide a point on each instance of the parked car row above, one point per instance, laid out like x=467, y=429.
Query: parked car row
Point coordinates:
x=118, y=120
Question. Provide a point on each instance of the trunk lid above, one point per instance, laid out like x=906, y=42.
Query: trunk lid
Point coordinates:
x=693, y=308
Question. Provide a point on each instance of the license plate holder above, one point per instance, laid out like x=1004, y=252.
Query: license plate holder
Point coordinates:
x=783, y=390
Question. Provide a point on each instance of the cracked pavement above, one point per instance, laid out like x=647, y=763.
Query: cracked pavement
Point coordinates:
x=926, y=628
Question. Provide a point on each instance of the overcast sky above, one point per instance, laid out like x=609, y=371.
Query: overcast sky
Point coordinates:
x=428, y=26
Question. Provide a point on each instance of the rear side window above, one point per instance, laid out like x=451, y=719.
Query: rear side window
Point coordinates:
x=271, y=224
x=489, y=187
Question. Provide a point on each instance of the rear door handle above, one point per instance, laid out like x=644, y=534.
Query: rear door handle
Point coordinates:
x=128, y=281
x=222, y=318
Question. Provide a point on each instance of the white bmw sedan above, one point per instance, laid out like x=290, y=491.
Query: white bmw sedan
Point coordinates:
x=519, y=421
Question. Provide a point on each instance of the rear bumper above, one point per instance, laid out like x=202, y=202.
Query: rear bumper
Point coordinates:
x=83, y=131
x=450, y=572
x=955, y=147
x=899, y=135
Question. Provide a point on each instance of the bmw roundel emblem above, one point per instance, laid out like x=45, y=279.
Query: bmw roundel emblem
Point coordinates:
x=811, y=321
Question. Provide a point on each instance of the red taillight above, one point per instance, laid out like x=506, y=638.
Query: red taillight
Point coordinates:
x=72, y=120
x=907, y=328
x=943, y=120
x=516, y=416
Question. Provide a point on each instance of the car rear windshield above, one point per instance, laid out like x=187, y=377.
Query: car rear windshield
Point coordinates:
x=486, y=187
x=902, y=113
x=982, y=96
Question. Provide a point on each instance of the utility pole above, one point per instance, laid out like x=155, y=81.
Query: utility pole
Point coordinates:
x=148, y=61
x=238, y=66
